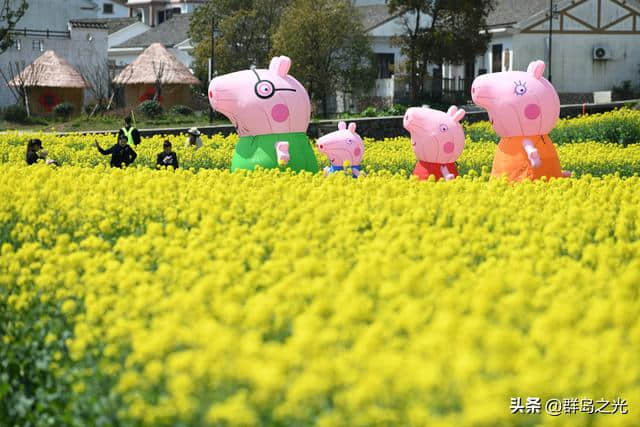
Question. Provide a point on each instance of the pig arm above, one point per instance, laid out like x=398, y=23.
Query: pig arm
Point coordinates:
x=448, y=176
x=326, y=170
x=282, y=152
x=532, y=153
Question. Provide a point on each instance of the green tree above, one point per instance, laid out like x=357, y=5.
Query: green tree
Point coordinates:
x=243, y=33
x=329, y=48
x=12, y=11
x=452, y=32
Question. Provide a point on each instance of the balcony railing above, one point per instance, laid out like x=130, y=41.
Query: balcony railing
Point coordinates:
x=49, y=34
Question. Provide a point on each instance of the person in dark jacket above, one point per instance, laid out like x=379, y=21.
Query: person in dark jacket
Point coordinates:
x=167, y=157
x=129, y=132
x=121, y=153
x=35, y=153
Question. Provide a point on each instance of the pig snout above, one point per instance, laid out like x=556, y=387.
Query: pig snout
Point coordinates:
x=481, y=92
x=409, y=120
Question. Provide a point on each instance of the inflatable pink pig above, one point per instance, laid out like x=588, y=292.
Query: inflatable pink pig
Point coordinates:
x=437, y=139
x=270, y=110
x=344, y=148
x=523, y=108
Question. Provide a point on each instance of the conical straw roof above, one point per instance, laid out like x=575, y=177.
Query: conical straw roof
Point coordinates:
x=146, y=66
x=49, y=70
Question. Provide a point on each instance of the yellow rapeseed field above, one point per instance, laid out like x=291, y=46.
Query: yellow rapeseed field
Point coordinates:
x=201, y=297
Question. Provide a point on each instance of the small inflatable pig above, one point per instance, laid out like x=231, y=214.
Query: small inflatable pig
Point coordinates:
x=523, y=108
x=270, y=110
x=437, y=139
x=344, y=148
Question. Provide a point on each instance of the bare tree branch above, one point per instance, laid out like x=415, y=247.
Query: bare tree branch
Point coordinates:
x=21, y=78
x=158, y=71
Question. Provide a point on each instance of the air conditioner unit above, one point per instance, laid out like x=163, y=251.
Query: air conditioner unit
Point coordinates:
x=601, y=53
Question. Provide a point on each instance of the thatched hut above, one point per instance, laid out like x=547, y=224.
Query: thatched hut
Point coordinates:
x=156, y=68
x=50, y=80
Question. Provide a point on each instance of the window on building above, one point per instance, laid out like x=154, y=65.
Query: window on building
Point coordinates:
x=37, y=45
x=176, y=11
x=386, y=63
x=496, y=60
x=161, y=16
x=107, y=8
x=18, y=44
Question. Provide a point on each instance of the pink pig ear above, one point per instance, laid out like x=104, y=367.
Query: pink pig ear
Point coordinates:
x=342, y=126
x=352, y=127
x=459, y=115
x=536, y=68
x=280, y=65
x=452, y=110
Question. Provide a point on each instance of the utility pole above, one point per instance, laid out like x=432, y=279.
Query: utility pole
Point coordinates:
x=212, y=61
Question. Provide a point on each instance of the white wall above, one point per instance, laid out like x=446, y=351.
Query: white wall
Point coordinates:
x=55, y=14
x=573, y=67
x=119, y=11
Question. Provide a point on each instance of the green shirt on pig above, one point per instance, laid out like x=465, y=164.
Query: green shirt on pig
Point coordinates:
x=260, y=150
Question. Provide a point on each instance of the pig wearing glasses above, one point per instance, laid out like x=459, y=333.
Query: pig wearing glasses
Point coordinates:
x=270, y=110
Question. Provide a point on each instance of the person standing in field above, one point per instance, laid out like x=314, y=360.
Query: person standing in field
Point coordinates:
x=167, y=157
x=193, y=138
x=129, y=132
x=35, y=153
x=121, y=153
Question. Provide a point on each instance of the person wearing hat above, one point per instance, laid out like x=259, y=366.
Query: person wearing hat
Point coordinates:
x=167, y=157
x=193, y=138
x=35, y=152
x=129, y=132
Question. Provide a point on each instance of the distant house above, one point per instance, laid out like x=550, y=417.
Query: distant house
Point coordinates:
x=49, y=25
x=50, y=80
x=155, y=12
x=597, y=40
x=112, y=9
x=118, y=29
x=595, y=44
x=155, y=64
x=172, y=34
x=382, y=26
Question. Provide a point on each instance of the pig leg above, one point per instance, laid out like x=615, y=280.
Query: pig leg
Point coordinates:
x=359, y=173
x=282, y=152
x=326, y=170
x=448, y=176
x=532, y=153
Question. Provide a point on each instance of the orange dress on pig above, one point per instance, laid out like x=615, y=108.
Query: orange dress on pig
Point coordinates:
x=511, y=159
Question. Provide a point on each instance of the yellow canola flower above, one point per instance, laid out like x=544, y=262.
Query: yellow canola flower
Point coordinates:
x=269, y=298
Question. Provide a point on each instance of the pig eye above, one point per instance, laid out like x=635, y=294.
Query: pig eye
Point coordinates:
x=521, y=88
x=264, y=89
x=349, y=141
x=444, y=128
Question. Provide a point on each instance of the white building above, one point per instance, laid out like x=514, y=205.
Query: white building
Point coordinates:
x=597, y=40
x=112, y=9
x=155, y=12
x=50, y=25
x=595, y=44
x=173, y=34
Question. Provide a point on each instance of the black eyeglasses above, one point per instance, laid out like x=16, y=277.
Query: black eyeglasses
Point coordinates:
x=265, y=89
